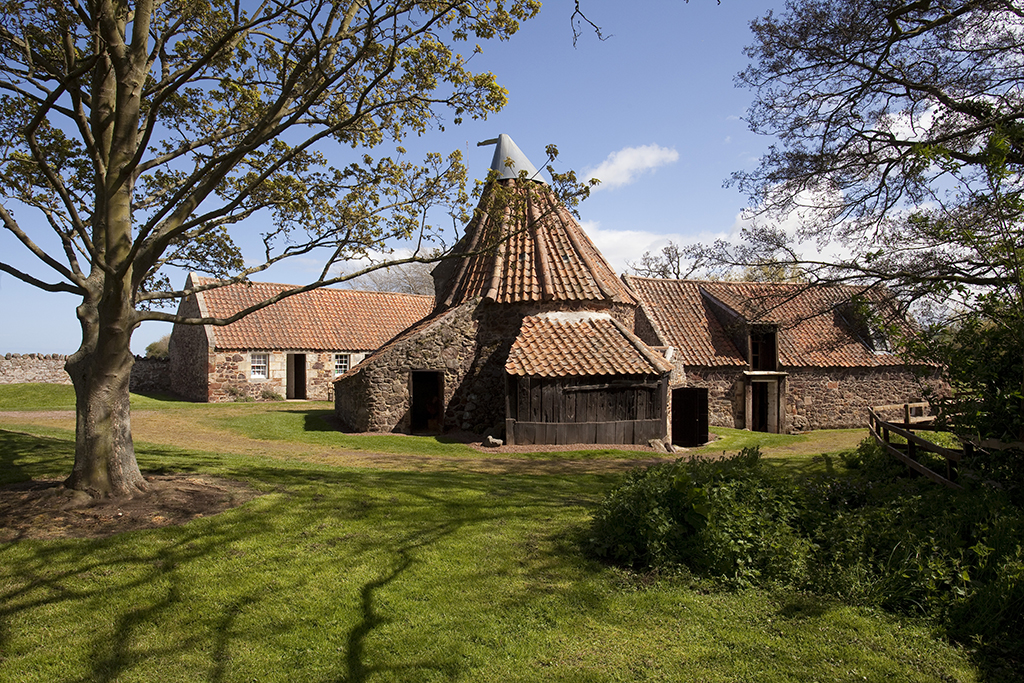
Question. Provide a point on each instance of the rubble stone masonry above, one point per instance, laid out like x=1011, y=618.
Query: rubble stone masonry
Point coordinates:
x=726, y=397
x=839, y=398
x=232, y=380
x=469, y=344
x=375, y=396
x=149, y=375
x=813, y=398
x=44, y=368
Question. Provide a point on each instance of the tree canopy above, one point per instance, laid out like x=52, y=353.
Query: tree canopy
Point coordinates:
x=899, y=137
x=141, y=134
x=899, y=157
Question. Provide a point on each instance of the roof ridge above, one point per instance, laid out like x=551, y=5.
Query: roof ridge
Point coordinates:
x=325, y=288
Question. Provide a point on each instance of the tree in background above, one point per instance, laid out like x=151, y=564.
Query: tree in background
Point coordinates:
x=900, y=156
x=406, y=278
x=671, y=262
x=681, y=262
x=159, y=348
x=141, y=134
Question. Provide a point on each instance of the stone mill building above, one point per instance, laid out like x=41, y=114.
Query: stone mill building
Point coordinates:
x=531, y=335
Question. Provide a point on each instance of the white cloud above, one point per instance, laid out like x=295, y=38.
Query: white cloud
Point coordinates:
x=623, y=167
x=622, y=247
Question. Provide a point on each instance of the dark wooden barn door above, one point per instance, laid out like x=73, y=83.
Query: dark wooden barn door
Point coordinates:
x=689, y=416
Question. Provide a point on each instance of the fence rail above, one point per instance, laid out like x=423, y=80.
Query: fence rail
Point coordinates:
x=908, y=453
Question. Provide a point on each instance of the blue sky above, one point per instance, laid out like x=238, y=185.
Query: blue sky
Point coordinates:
x=652, y=110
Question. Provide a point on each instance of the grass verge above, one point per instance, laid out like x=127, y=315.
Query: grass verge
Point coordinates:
x=339, y=574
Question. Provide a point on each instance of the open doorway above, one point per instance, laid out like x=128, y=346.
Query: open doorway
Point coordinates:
x=765, y=406
x=689, y=416
x=426, y=409
x=296, y=372
x=759, y=407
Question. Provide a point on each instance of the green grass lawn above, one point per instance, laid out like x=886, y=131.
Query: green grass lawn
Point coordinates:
x=26, y=397
x=359, y=575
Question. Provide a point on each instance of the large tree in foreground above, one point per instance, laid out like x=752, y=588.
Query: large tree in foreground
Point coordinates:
x=900, y=152
x=139, y=134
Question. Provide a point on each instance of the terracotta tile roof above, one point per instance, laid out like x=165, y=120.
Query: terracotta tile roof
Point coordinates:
x=535, y=252
x=812, y=331
x=325, y=319
x=563, y=344
x=684, y=320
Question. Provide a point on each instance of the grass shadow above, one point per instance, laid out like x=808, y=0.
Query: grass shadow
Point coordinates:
x=316, y=420
x=144, y=399
x=27, y=456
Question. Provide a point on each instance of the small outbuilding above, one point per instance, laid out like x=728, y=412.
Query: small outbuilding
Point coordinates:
x=293, y=348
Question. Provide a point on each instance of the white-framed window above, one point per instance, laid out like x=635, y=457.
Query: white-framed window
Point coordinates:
x=342, y=362
x=259, y=365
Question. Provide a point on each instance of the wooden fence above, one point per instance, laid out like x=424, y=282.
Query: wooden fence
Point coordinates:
x=909, y=452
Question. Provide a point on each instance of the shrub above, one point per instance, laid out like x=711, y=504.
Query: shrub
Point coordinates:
x=271, y=395
x=870, y=535
x=730, y=518
x=238, y=394
x=649, y=518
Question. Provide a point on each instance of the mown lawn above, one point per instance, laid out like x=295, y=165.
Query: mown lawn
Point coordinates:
x=421, y=573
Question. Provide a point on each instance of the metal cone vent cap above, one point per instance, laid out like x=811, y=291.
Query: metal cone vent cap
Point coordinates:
x=509, y=161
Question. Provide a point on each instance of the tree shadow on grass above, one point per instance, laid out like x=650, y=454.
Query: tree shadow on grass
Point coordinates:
x=26, y=456
x=250, y=588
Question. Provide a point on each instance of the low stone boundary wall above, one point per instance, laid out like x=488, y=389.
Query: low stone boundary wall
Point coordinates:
x=48, y=368
x=149, y=375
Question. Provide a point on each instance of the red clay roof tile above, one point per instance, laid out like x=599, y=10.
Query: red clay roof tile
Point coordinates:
x=532, y=251
x=563, y=344
x=320, y=319
x=811, y=330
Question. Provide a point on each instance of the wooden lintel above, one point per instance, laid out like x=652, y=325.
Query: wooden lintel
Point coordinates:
x=612, y=385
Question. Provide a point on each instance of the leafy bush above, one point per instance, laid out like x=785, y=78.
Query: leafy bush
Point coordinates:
x=870, y=535
x=271, y=395
x=238, y=394
x=729, y=518
x=649, y=518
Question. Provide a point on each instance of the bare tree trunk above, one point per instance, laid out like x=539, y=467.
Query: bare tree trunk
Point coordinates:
x=105, y=464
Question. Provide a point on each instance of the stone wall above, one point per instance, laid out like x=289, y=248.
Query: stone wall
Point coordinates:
x=468, y=344
x=43, y=368
x=813, y=398
x=191, y=355
x=726, y=393
x=231, y=377
x=837, y=398
x=149, y=375
x=375, y=396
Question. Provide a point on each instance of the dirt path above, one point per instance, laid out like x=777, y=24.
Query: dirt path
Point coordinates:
x=46, y=510
x=164, y=428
